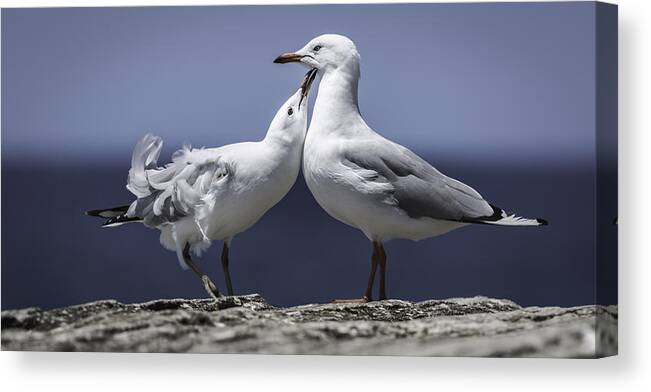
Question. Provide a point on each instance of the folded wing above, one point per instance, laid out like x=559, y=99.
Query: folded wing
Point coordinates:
x=412, y=184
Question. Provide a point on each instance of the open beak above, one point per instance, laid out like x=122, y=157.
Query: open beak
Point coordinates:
x=288, y=58
x=306, y=84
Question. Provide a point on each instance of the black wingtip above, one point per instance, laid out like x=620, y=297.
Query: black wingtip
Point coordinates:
x=542, y=222
x=121, y=219
x=93, y=213
x=108, y=212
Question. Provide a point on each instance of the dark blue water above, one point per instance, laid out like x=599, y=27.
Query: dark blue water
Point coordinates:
x=53, y=255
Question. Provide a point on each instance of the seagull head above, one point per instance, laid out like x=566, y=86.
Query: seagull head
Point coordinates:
x=293, y=113
x=325, y=52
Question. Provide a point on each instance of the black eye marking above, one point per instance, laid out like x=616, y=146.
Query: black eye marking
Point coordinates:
x=290, y=111
x=317, y=48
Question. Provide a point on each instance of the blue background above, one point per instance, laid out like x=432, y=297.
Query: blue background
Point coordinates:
x=499, y=96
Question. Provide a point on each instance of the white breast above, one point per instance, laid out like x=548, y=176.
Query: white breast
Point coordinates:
x=262, y=179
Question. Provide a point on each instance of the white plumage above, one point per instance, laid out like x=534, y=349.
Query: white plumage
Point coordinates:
x=369, y=182
x=208, y=194
x=214, y=193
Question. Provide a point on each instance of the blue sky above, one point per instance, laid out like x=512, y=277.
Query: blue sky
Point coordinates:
x=85, y=84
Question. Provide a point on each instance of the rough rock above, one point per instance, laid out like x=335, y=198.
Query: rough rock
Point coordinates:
x=248, y=324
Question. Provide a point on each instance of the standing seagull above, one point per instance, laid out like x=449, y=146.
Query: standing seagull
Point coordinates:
x=369, y=182
x=213, y=194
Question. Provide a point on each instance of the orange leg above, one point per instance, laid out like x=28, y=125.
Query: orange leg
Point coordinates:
x=378, y=258
x=382, y=260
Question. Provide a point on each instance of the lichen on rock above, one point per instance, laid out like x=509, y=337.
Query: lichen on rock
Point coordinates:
x=475, y=326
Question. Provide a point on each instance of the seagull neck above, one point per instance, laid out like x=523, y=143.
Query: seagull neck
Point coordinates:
x=284, y=138
x=337, y=95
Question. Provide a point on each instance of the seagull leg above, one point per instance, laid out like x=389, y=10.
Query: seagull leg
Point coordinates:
x=210, y=287
x=382, y=260
x=227, y=273
x=368, y=293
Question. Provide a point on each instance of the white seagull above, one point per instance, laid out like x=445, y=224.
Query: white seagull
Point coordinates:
x=371, y=183
x=210, y=194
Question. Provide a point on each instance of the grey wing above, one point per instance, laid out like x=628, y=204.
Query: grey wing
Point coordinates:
x=182, y=187
x=416, y=187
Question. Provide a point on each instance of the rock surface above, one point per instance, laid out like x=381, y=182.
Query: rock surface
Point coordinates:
x=247, y=324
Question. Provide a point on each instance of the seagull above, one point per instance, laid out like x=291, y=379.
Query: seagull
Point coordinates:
x=369, y=182
x=212, y=194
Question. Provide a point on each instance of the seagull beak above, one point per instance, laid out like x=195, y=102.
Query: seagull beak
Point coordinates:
x=288, y=58
x=306, y=84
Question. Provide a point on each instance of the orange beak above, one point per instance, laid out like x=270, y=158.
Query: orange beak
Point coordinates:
x=288, y=58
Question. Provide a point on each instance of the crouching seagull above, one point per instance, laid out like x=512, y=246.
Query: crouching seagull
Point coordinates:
x=209, y=194
x=371, y=183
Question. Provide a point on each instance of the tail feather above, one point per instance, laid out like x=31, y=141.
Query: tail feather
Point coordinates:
x=145, y=156
x=503, y=218
x=115, y=216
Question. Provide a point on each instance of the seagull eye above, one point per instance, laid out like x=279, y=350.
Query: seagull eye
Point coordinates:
x=290, y=111
x=317, y=48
